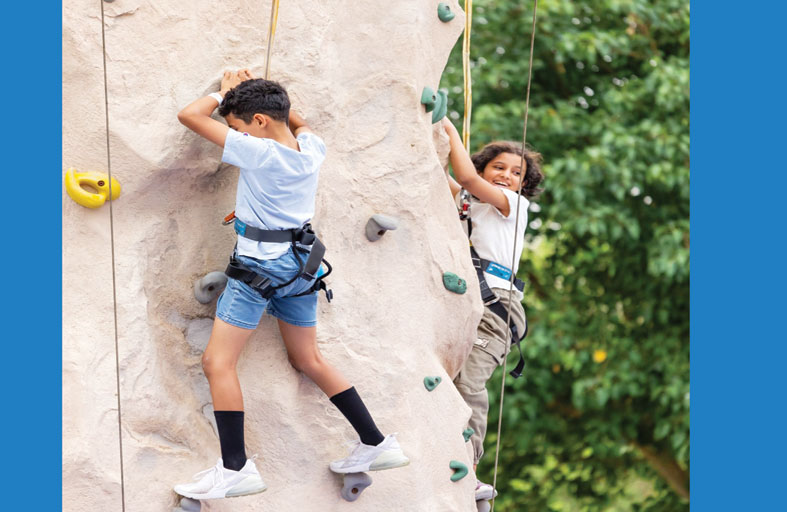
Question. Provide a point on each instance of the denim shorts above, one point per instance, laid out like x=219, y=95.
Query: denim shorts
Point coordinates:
x=242, y=306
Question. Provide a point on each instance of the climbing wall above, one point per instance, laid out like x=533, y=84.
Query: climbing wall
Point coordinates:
x=137, y=416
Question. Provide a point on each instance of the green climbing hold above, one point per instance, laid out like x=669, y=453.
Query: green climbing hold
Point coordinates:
x=431, y=382
x=467, y=433
x=454, y=283
x=460, y=470
x=428, y=98
x=441, y=106
x=444, y=12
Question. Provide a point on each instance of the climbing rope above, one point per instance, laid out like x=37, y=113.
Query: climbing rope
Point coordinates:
x=112, y=246
x=468, y=82
x=514, y=255
x=271, y=33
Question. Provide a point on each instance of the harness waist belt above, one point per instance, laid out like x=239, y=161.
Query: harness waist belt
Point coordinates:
x=497, y=270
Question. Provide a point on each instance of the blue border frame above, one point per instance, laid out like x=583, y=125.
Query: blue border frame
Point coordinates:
x=32, y=354
x=738, y=277
x=738, y=188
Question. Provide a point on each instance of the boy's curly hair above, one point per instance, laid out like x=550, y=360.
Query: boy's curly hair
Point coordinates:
x=256, y=96
x=533, y=175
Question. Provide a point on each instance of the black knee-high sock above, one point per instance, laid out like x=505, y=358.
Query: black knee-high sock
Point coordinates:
x=233, y=447
x=351, y=405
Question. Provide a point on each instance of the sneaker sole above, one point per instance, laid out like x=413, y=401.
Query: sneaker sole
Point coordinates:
x=380, y=463
x=250, y=485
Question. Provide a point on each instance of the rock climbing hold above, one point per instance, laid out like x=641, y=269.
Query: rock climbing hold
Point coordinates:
x=454, y=283
x=444, y=12
x=189, y=505
x=354, y=484
x=207, y=288
x=441, y=106
x=460, y=470
x=467, y=433
x=378, y=224
x=428, y=98
x=90, y=189
x=431, y=382
x=483, y=506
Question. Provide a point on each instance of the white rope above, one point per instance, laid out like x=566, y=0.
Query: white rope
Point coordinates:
x=514, y=255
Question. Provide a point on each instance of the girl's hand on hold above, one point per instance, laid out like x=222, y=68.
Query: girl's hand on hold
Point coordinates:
x=230, y=79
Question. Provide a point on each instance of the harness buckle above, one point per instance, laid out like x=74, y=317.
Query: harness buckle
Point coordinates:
x=476, y=262
x=229, y=218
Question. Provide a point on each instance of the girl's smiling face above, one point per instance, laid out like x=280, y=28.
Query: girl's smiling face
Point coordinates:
x=504, y=171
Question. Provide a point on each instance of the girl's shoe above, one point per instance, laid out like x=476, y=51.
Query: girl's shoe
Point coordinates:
x=220, y=482
x=386, y=455
x=484, y=491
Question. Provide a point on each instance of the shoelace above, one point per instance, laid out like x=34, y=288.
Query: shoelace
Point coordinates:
x=217, y=475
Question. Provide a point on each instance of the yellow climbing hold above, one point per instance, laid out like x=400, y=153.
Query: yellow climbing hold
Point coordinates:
x=600, y=356
x=90, y=189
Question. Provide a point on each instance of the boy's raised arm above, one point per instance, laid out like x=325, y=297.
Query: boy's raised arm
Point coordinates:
x=196, y=115
x=297, y=123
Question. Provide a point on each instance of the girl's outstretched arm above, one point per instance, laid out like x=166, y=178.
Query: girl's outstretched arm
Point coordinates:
x=467, y=176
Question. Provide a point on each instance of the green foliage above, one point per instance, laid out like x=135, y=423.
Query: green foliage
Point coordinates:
x=608, y=268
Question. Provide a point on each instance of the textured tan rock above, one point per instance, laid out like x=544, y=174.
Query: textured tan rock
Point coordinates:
x=356, y=71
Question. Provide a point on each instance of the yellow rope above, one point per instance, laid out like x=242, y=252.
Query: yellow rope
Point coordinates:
x=271, y=33
x=468, y=83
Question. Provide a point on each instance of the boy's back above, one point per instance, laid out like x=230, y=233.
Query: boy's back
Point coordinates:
x=276, y=186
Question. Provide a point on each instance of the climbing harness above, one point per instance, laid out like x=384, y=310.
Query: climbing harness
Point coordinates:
x=490, y=298
x=300, y=239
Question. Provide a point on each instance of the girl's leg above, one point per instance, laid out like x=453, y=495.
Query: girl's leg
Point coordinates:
x=219, y=362
x=305, y=356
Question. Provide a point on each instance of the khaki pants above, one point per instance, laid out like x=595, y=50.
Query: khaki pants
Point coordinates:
x=493, y=343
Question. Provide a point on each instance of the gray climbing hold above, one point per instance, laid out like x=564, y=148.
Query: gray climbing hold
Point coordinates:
x=431, y=382
x=207, y=288
x=467, y=433
x=483, y=506
x=378, y=224
x=454, y=283
x=428, y=98
x=188, y=505
x=354, y=484
x=444, y=12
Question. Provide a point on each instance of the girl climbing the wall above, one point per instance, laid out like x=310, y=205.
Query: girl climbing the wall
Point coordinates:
x=492, y=176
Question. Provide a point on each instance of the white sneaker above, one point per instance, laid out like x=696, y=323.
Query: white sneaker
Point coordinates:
x=364, y=457
x=220, y=482
x=484, y=491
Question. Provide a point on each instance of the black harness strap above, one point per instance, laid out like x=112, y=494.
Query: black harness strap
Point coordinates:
x=492, y=301
x=303, y=236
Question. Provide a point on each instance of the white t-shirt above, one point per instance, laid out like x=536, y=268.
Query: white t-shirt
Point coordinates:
x=276, y=186
x=493, y=235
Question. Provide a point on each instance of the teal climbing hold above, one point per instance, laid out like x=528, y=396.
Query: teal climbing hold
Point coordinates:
x=467, y=433
x=460, y=470
x=428, y=98
x=454, y=283
x=441, y=106
x=431, y=382
x=444, y=12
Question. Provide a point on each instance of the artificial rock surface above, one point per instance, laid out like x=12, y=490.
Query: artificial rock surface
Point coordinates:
x=137, y=414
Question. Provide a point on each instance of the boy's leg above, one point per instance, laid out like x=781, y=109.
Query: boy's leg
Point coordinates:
x=219, y=362
x=305, y=356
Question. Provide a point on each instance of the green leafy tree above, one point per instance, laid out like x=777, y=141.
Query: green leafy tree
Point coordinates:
x=600, y=420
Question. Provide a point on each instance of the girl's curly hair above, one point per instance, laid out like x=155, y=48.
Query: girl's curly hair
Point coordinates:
x=533, y=175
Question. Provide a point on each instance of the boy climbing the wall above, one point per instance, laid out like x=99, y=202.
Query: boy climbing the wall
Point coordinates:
x=279, y=159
